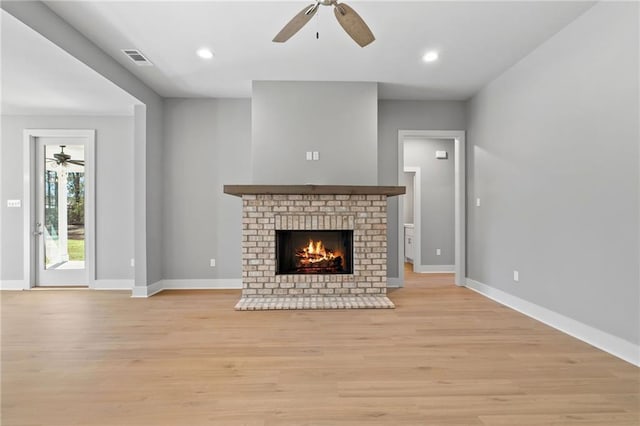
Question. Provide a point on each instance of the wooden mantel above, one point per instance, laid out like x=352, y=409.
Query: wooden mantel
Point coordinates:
x=239, y=190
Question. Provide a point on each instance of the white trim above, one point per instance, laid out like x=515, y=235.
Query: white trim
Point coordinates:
x=460, y=171
x=112, y=285
x=12, y=285
x=202, y=284
x=146, y=291
x=206, y=284
x=28, y=218
x=29, y=202
x=435, y=269
x=460, y=197
x=614, y=345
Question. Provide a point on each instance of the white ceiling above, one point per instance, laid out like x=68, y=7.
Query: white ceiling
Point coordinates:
x=39, y=78
x=477, y=42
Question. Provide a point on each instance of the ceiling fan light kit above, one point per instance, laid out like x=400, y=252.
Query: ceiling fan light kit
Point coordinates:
x=350, y=21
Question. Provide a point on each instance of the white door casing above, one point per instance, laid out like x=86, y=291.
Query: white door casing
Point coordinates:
x=33, y=214
x=458, y=136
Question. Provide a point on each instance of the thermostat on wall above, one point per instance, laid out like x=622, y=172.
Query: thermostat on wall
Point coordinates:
x=441, y=155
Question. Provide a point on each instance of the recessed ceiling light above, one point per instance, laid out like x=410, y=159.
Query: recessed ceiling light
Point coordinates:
x=430, y=56
x=205, y=53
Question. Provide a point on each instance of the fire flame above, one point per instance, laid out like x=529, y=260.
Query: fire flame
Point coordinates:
x=316, y=252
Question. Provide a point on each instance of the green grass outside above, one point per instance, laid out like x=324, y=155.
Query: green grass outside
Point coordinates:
x=76, y=249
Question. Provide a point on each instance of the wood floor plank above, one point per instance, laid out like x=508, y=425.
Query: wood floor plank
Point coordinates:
x=444, y=356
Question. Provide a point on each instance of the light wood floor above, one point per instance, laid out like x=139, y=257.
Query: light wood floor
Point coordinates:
x=445, y=356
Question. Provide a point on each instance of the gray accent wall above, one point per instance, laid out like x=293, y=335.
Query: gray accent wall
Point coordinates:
x=207, y=145
x=553, y=155
x=407, y=115
x=148, y=153
x=437, y=198
x=114, y=190
x=339, y=120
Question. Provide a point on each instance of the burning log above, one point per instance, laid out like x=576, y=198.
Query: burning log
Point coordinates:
x=315, y=258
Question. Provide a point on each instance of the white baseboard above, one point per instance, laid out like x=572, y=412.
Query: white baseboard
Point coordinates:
x=112, y=285
x=12, y=285
x=146, y=291
x=614, y=345
x=206, y=284
x=434, y=269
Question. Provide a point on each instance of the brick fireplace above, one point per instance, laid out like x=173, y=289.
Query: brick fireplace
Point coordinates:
x=359, y=211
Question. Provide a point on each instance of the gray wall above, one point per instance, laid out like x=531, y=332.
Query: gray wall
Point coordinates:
x=437, y=201
x=337, y=119
x=408, y=197
x=148, y=154
x=207, y=145
x=114, y=190
x=407, y=115
x=553, y=155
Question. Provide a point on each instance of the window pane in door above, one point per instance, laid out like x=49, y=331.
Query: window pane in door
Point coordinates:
x=64, y=207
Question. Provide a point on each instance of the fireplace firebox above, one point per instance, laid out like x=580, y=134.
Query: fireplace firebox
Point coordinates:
x=314, y=252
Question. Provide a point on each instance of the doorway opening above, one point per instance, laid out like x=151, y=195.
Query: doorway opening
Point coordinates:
x=411, y=235
x=412, y=201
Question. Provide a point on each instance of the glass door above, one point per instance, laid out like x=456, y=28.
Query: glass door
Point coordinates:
x=60, y=218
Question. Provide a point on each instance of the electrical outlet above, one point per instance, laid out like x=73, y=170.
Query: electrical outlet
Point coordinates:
x=212, y=263
x=133, y=262
x=438, y=252
x=516, y=276
x=13, y=203
x=477, y=202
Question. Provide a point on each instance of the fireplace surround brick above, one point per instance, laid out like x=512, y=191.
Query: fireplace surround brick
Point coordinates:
x=263, y=214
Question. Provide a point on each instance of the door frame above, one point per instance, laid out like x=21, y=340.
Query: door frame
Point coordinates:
x=29, y=194
x=460, y=209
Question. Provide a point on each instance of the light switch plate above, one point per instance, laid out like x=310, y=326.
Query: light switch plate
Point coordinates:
x=316, y=155
x=309, y=156
x=14, y=203
x=477, y=202
x=442, y=155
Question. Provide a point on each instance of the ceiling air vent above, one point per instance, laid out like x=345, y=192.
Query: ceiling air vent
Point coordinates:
x=137, y=57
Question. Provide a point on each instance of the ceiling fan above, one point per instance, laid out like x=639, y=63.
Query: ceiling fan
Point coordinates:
x=61, y=158
x=350, y=21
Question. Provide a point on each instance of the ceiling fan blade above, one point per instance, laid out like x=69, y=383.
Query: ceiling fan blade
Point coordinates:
x=76, y=162
x=353, y=24
x=294, y=25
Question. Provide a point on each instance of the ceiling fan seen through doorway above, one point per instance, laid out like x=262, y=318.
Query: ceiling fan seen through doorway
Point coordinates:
x=350, y=21
x=61, y=158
